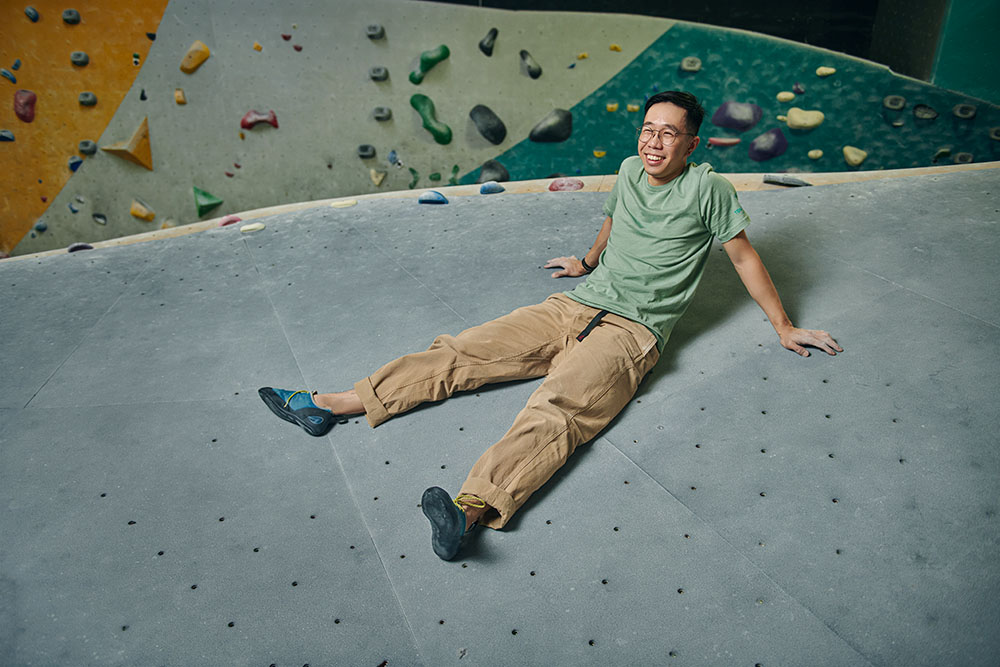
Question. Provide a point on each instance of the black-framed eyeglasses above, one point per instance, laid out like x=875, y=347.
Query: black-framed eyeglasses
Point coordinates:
x=667, y=136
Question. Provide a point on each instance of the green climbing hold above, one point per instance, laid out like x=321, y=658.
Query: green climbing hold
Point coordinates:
x=416, y=177
x=425, y=107
x=205, y=201
x=435, y=176
x=428, y=59
x=454, y=176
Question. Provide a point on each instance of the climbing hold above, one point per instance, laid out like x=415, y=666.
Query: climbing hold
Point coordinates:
x=286, y=36
x=599, y=152
x=344, y=203
x=963, y=158
x=87, y=147
x=375, y=31
x=571, y=66
x=229, y=174
x=205, y=201
x=17, y=64
x=40, y=226
x=815, y=154
x=428, y=59
x=237, y=165
x=88, y=99
x=964, y=111
x=565, y=185
x=136, y=149
x=454, y=175
x=382, y=113
x=252, y=227
x=75, y=162
x=783, y=118
x=556, y=126
x=100, y=219
x=739, y=116
x=77, y=247
x=141, y=210
x=825, y=71
x=425, y=107
x=924, y=112
x=434, y=176
x=529, y=64
x=487, y=42
x=297, y=47
x=414, y=177
x=854, y=156
x=582, y=56
x=994, y=133
x=394, y=159
x=785, y=96
x=615, y=47
x=72, y=208
x=691, y=64
x=491, y=188
x=493, y=171
x=24, y=105
x=6, y=135
x=179, y=96
x=723, y=141
x=798, y=89
x=894, y=102
x=229, y=220
x=151, y=36
x=142, y=94
x=632, y=107
x=378, y=73
x=943, y=152
x=79, y=58
x=432, y=197
x=611, y=107
x=366, y=151
x=253, y=117
x=195, y=56
x=799, y=119
x=488, y=124
x=376, y=176
x=135, y=59
x=784, y=179
x=769, y=145
x=71, y=16
x=31, y=13
x=8, y=75
x=257, y=46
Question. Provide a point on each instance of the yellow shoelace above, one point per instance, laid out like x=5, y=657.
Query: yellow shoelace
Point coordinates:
x=300, y=391
x=470, y=500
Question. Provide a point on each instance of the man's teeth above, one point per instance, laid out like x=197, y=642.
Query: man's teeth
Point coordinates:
x=654, y=158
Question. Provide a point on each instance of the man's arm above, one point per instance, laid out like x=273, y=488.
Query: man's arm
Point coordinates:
x=571, y=266
x=758, y=283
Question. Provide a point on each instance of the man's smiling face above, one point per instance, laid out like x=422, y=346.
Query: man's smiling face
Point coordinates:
x=664, y=163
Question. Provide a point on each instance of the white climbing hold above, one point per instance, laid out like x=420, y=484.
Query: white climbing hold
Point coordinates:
x=252, y=227
x=344, y=203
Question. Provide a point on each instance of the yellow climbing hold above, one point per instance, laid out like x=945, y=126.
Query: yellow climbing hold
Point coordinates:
x=196, y=55
x=179, y=96
x=582, y=56
x=252, y=227
x=854, y=156
x=141, y=210
x=800, y=119
x=615, y=47
x=632, y=107
x=782, y=117
x=815, y=154
x=376, y=176
x=599, y=153
x=257, y=46
x=786, y=96
x=344, y=203
x=611, y=106
x=136, y=149
x=825, y=71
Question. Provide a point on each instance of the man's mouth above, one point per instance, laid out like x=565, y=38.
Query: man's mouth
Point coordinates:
x=654, y=159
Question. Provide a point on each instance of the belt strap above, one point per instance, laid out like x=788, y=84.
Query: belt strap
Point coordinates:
x=593, y=323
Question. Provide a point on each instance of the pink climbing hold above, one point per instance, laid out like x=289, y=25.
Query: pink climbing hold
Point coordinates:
x=565, y=185
x=253, y=117
x=229, y=220
x=723, y=141
x=24, y=105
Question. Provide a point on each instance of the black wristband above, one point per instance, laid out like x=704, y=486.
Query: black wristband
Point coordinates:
x=587, y=267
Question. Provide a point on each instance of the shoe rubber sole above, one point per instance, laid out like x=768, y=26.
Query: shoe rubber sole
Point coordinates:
x=277, y=406
x=447, y=522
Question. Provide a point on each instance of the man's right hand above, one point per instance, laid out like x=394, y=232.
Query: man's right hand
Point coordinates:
x=569, y=266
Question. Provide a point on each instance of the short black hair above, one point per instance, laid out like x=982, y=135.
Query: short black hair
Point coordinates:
x=694, y=113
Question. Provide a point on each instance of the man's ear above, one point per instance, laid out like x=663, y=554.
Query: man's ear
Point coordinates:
x=694, y=144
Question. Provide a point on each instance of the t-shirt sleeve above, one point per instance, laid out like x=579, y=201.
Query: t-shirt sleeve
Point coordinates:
x=720, y=207
x=612, y=201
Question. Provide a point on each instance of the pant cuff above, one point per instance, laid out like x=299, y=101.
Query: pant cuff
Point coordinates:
x=495, y=497
x=375, y=412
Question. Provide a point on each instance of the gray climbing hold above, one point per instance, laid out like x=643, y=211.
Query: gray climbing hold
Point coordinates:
x=75, y=162
x=493, y=171
x=739, y=116
x=17, y=64
x=943, y=152
x=142, y=94
x=87, y=147
x=100, y=219
x=432, y=197
x=79, y=58
x=31, y=13
x=963, y=158
x=894, y=102
x=530, y=65
x=784, y=179
x=40, y=226
x=769, y=145
x=77, y=247
x=5, y=73
x=382, y=113
x=488, y=124
x=994, y=133
x=691, y=64
x=490, y=188
x=378, y=73
x=6, y=135
x=366, y=151
x=924, y=112
x=375, y=31
x=487, y=42
x=88, y=99
x=556, y=126
x=964, y=111
x=71, y=16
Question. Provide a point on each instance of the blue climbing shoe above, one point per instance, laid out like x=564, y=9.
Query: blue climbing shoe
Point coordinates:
x=298, y=407
x=447, y=519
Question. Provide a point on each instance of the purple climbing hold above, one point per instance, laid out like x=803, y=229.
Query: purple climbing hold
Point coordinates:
x=739, y=116
x=7, y=74
x=769, y=145
x=556, y=126
x=76, y=247
x=24, y=105
x=530, y=65
x=6, y=135
x=487, y=42
x=798, y=89
x=432, y=197
x=75, y=162
x=31, y=13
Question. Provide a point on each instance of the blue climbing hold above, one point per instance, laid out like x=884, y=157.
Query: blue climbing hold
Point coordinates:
x=6, y=135
x=40, y=226
x=5, y=73
x=432, y=197
x=490, y=188
x=75, y=162
x=31, y=13
x=17, y=65
x=72, y=209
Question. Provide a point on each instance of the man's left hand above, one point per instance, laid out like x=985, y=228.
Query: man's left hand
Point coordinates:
x=794, y=339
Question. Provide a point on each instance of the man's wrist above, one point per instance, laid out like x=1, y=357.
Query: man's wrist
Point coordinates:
x=587, y=267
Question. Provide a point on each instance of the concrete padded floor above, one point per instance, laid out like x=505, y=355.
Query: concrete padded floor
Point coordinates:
x=748, y=507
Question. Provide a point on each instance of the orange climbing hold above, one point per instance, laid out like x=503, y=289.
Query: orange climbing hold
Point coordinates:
x=141, y=210
x=179, y=96
x=196, y=55
x=136, y=149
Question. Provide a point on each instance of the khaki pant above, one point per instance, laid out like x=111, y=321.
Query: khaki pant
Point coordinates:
x=587, y=383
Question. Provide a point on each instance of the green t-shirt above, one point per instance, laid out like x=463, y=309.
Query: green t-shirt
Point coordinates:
x=659, y=244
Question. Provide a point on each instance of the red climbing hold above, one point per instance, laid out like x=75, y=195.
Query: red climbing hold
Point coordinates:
x=297, y=47
x=237, y=165
x=229, y=174
x=24, y=105
x=228, y=220
x=565, y=185
x=252, y=117
x=285, y=37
